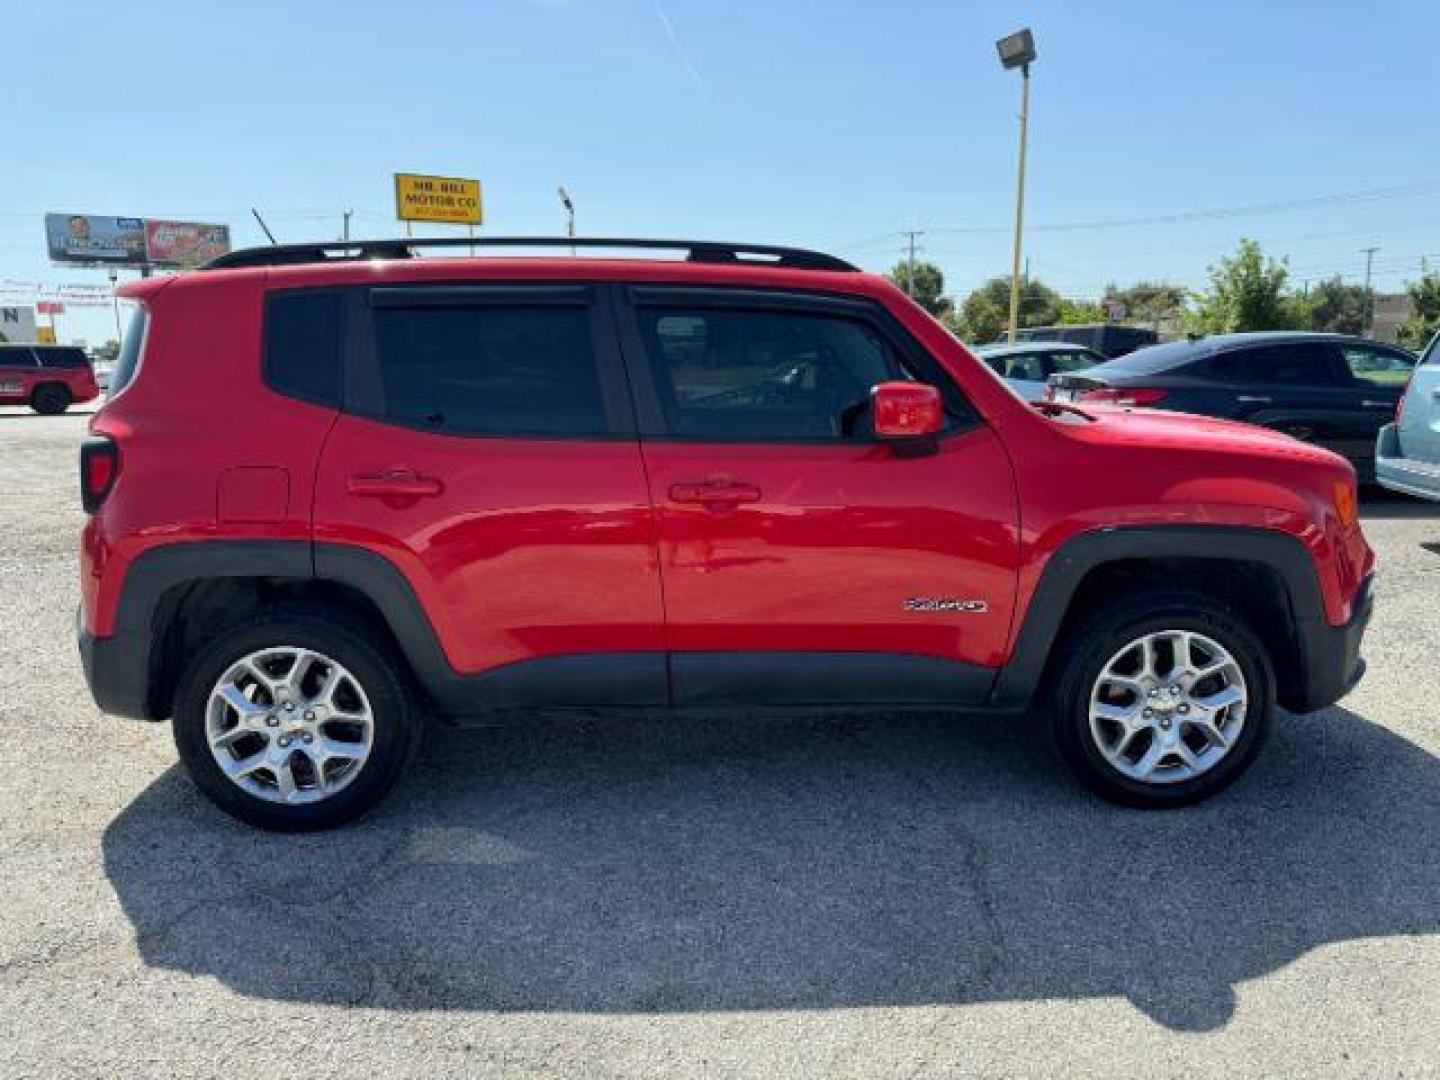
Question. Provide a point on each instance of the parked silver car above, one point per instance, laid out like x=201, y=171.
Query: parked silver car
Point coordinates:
x=1407, y=452
x=1027, y=365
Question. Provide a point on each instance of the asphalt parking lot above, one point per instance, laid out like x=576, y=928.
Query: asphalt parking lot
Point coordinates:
x=906, y=896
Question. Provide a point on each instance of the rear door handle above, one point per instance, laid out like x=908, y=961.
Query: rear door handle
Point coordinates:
x=715, y=493
x=394, y=484
x=1378, y=404
x=1251, y=399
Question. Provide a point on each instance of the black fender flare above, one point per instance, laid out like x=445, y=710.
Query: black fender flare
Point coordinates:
x=1019, y=680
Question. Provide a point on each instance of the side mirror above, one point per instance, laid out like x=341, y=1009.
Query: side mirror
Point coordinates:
x=906, y=411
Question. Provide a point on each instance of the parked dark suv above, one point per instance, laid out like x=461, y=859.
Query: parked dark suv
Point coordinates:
x=470, y=488
x=1323, y=388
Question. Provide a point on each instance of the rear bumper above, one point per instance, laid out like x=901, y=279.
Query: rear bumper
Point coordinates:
x=117, y=670
x=1332, y=664
x=1395, y=471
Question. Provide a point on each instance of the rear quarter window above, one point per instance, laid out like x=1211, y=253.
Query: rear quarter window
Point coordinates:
x=303, y=342
x=131, y=345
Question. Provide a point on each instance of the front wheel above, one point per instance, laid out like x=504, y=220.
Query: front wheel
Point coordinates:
x=1163, y=700
x=292, y=721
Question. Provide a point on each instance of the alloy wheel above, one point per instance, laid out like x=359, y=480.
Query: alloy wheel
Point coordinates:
x=1168, y=707
x=289, y=725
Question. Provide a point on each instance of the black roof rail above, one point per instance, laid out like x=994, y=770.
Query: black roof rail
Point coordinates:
x=703, y=251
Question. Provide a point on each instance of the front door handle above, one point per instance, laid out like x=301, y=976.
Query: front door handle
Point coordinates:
x=393, y=484
x=715, y=493
x=1378, y=404
x=1252, y=399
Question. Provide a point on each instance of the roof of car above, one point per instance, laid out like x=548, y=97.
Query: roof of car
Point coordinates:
x=1216, y=342
x=1012, y=349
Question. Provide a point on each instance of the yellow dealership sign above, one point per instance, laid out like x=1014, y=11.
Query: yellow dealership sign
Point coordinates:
x=438, y=198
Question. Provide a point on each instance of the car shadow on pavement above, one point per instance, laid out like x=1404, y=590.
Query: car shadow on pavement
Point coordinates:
x=653, y=865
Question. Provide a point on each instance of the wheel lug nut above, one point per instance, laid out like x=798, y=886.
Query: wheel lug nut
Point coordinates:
x=309, y=714
x=289, y=706
x=284, y=740
x=1149, y=713
x=308, y=737
x=1184, y=708
x=272, y=720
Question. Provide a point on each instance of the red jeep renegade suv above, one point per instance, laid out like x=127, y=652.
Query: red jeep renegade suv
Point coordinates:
x=338, y=489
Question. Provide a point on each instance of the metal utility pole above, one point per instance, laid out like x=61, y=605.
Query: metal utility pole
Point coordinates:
x=345, y=233
x=913, y=234
x=1369, y=254
x=1018, y=50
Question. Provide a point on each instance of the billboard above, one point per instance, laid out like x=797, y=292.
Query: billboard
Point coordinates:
x=184, y=243
x=17, y=324
x=89, y=239
x=448, y=199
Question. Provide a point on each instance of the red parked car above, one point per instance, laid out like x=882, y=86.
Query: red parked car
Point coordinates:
x=48, y=378
x=469, y=488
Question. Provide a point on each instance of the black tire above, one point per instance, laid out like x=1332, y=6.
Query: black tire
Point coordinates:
x=369, y=660
x=1088, y=649
x=50, y=399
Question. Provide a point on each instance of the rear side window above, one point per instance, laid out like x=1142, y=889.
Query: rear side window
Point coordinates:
x=131, y=344
x=490, y=369
x=63, y=358
x=1298, y=364
x=303, y=339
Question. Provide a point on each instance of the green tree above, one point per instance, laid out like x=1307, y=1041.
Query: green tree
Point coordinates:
x=985, y=315
x=929, y=291
x=1247, y=292
x=1334, y=307
x=1150, y=301
x=1079, y=312
x=1424, y=321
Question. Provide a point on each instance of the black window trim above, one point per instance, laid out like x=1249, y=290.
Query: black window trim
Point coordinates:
x=364, y=389
x=653, y=425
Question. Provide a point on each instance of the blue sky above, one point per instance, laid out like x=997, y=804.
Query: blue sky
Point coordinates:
x=834, y=124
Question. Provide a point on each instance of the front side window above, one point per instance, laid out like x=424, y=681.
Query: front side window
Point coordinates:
x=17, y=358
x=1377, y=367
x=728, y=374
x=490, y=370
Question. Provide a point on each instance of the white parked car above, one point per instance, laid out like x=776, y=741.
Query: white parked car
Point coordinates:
x=1026, y=365
x=1407, y=452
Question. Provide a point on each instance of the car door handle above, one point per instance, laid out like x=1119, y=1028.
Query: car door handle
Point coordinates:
x=1251, y=399
x=1378, y=404
x=715, y=493
x=393, y=484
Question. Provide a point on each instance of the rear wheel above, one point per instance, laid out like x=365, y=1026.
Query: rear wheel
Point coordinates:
x=1163, y=700
x=292, y=721
x=50, y=399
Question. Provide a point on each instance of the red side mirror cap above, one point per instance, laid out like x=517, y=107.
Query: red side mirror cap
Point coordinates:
x=906, y=410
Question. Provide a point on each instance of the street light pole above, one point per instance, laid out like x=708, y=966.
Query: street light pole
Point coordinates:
x=1018, y=50
x=115, y=303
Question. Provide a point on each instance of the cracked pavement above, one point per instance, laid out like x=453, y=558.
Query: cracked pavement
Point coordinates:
x=912, y=895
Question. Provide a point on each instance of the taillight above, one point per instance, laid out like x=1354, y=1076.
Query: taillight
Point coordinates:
x=1129, y=397
x=99, y=466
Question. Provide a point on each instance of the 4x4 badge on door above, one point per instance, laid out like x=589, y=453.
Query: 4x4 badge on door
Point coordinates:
x=944, y=603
